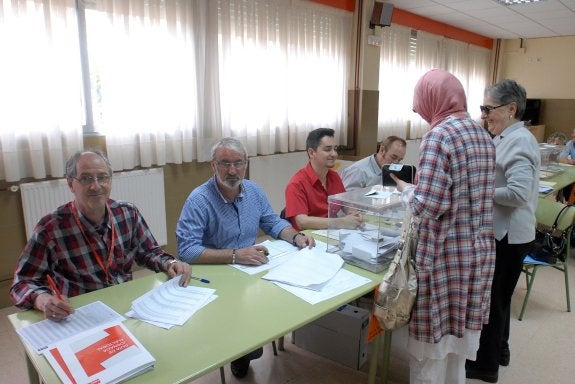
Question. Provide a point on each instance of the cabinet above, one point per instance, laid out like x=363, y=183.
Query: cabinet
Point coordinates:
x=372, y=246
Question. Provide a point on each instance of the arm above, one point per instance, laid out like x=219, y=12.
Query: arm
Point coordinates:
x=149, y=253
x=520, y=164
x=31, y=289
x=349, y=221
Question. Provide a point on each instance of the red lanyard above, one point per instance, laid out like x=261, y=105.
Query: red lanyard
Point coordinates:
x=94, y=252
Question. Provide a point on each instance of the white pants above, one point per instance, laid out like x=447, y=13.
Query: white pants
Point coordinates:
x=450, y=370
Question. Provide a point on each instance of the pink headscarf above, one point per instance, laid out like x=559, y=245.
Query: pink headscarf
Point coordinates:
x=437, y=95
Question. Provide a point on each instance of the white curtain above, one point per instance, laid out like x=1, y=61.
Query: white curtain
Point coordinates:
x=283, y=72
x=143, y=76
x=403, y=63
x=172, y=77
x=40, y=88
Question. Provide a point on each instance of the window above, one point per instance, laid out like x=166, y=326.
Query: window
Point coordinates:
x=405, y=56
x=165, y=79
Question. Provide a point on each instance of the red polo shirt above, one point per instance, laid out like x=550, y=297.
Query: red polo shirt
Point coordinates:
x=306, y=195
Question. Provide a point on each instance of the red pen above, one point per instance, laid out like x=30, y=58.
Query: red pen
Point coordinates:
x=54, y=288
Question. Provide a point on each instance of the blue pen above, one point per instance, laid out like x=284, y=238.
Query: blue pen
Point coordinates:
x=200, y=279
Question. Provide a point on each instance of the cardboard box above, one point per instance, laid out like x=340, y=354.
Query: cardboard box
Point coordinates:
x=340, y=336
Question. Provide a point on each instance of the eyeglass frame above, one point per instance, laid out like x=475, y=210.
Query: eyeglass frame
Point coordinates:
x=87, y=180
x=240, y=164
x=486, y=109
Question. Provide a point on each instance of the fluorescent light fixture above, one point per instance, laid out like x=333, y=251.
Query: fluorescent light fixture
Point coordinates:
x=517, y=2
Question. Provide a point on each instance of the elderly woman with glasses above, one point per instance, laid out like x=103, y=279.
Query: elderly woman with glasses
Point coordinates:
x=516, y=195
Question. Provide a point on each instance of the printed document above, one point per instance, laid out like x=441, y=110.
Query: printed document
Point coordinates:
x=279, y=252
x=309, y=268
x=171, y=304
x=42, y=334
x=342, y=282
x=103, y=355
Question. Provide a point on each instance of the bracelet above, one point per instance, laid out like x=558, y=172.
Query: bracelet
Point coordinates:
x=294, y=237
x=233, y=256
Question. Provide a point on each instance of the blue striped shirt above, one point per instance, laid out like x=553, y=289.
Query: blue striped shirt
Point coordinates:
x=208, y=220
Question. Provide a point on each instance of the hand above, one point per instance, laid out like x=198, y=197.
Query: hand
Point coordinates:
x=401, y=185
x=304, y=240
x=353, y=221
x=180, y=268
x=255, y=255
x=53, y=308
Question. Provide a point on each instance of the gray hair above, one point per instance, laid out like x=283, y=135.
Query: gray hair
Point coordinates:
x=229, y=143
x=73, y=161
x=508, y=91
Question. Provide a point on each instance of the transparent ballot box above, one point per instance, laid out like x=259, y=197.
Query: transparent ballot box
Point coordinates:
x=550, y=159
x=373, y=245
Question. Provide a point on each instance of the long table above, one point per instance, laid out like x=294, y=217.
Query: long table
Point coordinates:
x=561, y=179
x=248, y=313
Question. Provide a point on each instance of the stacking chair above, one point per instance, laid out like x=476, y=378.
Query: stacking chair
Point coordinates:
x=546, y=213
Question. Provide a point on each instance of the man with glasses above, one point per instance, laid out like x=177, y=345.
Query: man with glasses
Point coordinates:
x=221, y=220
x=86, y=244
x=367, y=171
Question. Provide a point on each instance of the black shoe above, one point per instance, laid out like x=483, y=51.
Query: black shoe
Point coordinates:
x=505, y=357
x=488, y=377
x=240, y=367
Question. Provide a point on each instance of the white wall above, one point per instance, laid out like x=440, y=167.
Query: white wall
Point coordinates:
x=273, y=172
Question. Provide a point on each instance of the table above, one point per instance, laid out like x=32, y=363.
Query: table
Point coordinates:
x=561, y=179
x=248, y=313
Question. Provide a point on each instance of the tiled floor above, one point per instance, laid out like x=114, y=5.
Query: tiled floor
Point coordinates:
x=542, y=348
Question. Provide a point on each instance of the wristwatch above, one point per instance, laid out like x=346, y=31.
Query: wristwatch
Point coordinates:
x=170, y=263
x=295, y=236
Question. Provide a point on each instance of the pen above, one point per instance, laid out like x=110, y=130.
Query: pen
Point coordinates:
x=266, y=253
x=200, y=279
x=54, y=288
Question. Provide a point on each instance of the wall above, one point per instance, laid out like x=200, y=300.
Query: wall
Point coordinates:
x=545, y=68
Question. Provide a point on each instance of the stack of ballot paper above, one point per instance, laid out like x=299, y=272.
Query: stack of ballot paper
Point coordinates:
x=90, y=346
x=169, y=304
x=315, y=275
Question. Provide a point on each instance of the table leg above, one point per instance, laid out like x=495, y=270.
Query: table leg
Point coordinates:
x=386, y=356
x=373, y=359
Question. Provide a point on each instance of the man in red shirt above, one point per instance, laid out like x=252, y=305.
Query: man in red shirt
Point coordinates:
x=307, y=191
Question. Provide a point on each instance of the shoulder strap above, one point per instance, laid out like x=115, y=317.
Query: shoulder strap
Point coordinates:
x=559, y=215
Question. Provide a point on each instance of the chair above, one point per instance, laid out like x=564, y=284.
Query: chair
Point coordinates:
x=546, y=213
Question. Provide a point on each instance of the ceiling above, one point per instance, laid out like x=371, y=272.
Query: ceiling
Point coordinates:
x=548, y=18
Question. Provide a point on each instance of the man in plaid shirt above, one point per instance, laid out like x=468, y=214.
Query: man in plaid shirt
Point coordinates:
x=86, y=244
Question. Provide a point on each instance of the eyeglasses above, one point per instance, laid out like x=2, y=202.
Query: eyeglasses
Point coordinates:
x=88, y=179
x=488, y=108
x=236, y=164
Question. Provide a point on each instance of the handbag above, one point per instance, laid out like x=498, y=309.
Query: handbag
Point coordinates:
x=549, y=244
x=398, y=288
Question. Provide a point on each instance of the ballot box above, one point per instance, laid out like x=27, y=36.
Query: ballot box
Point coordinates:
x=340, y=336
x=372, y=245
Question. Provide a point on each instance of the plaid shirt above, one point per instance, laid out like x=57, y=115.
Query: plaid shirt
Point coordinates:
x=455, y=256
x=57, y=247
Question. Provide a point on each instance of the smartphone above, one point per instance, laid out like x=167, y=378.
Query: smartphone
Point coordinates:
x=403, y=172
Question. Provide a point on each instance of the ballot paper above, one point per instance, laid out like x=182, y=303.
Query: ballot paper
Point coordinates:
x=309, y=268
x=44, y=333
x=171, y=304
x=279, y=252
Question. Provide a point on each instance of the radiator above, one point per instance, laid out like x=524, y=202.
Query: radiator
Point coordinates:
x=144, y=188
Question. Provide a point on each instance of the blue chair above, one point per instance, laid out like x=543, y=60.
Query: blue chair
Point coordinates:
x=547, y=211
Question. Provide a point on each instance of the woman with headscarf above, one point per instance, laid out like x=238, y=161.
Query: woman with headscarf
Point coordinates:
x=518, y=161
x=455, y=253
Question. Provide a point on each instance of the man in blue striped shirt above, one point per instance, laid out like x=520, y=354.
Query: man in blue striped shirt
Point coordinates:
x=221, y=219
